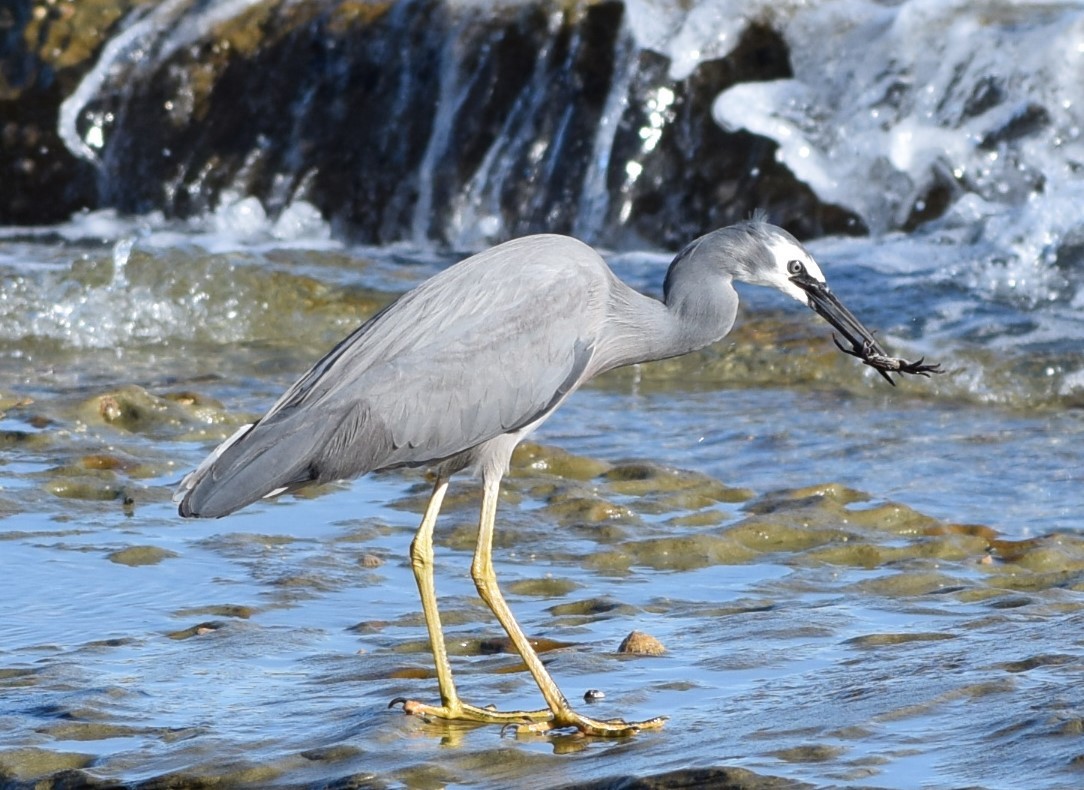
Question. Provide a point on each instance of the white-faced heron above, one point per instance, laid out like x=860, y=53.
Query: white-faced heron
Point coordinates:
x=455, y=373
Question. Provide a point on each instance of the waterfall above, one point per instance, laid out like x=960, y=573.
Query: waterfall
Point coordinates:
x=462, y=123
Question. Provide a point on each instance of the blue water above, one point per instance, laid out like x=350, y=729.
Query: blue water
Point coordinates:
x=262, y=649
x=762, y=669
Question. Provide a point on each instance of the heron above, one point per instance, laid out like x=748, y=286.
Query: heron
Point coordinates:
x=453, y=374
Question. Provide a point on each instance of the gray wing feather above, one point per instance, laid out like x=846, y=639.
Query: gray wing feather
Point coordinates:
x=485, y=348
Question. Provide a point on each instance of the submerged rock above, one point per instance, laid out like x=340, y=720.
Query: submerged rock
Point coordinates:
x=715, y=778
x=134, y=409
x=140, y=555
x=30, y=763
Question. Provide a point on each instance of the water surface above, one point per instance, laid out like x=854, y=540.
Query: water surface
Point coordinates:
x=855, y=584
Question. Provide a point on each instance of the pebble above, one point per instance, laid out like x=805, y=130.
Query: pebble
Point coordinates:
x=641, y=644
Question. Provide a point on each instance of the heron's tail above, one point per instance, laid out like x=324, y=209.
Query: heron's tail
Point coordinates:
x=237, y=473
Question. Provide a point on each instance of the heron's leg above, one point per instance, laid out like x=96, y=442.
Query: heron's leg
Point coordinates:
x=485, y=578
x=421, y=562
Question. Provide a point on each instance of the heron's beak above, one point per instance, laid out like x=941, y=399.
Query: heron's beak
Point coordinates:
x=825, y=303
x=863, y=344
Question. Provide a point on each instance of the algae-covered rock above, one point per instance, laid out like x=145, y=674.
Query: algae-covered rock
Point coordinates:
x=132, y=408
x=102, y=487
x=548, y=587
x=682, y=552
x=568, y=509
x=140, y=555
x=555, y=461
x=239, y=611
x=200, y=629
x=29, y=763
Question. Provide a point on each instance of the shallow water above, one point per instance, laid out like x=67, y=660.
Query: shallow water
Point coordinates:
x=855, y=584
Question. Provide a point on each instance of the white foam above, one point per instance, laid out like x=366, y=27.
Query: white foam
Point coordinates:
x=917, y=92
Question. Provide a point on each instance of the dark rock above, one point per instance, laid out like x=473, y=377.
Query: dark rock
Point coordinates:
x=709, y=778
x=411, y=119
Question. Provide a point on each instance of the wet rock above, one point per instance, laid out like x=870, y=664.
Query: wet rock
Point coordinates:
x=824, y=496
x=684, y=552
x=89, y=488
x=555, y=461
x=140, y=555
x=224, y=773
x=370, y=561
x=133, y=409
x=30, y=763
x=793, y=534
x=245, y=544
x=47, y=52
x=894, y=517
x=1074, y=726
x=23, y=440
x=641, y=644
x=9, y=402
x=813, y=753
x=548, y=587
x=331, y=754
x=862, y=551
x=704, y=518
x=1038, y=563
x=368, y=627
x=999, y=601
x=568, y=509
x=1014, y=550
x=502, y=644
x=178, y=128
x=714, y=778
x=591, y=608
x=17, y=677
x=411, y=673
x=90, y=731
x=886, y=640
x=221, y=610
x=906, y=584
x=102, y=461
x=987, y=534
x=683, y=490
x=200, y=629
x=1028, y=664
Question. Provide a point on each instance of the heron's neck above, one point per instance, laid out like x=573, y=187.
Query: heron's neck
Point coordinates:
x=701, y=310
x=689, y=319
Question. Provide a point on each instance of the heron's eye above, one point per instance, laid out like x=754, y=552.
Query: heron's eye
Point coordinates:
x=796, y=267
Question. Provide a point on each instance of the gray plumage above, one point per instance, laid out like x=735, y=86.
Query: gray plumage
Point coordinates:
x=457, y=371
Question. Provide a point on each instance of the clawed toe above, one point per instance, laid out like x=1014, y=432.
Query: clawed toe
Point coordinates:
x=461, y=712
x=604, y=728
x=524, y=722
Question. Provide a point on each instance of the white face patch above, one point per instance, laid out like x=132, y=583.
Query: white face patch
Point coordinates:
x=784, y=251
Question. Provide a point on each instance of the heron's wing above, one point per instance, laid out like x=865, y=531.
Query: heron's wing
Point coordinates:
x=483, y=349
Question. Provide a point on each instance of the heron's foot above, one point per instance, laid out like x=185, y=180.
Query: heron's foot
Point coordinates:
x=528, y=721
x=460, y=711
x=604, y=728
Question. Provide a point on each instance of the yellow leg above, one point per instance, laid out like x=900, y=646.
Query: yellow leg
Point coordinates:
x=451, y=707
x=559, y=713
x=421, y=562
x=485, y=578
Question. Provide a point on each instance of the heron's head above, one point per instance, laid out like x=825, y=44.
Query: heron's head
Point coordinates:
x=783, y=263
x=778, y=260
